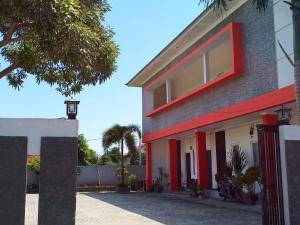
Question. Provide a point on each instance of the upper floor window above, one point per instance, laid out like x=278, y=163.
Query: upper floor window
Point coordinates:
x=214, y=60
x=159, y=96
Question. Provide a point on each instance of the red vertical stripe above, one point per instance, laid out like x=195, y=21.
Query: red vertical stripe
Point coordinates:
x=148, y=167
x=201, y=160
x=173, y=164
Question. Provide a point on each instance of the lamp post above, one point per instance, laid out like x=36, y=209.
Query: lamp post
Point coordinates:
x=71, y=108
x=284, y=115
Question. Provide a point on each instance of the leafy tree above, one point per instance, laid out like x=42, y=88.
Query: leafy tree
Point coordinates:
x=111, y=157
x=105, y=159
x=121, y=135
x=86, y=156
x=60, y=42
x=262, y=5
x=115, y=155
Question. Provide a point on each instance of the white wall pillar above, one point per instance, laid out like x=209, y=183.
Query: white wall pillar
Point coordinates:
x=168, y=91
x=206, y=67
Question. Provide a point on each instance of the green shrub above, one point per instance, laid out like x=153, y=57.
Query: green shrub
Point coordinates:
x=34, y=164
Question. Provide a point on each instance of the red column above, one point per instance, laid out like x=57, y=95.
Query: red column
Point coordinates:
x=148, y=167
x=201, y=160
x=173, y=163
x=269, y=119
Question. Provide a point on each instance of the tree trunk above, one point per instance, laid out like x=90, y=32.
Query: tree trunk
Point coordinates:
x=98, y=173
x=122, y=163
x=296, y=21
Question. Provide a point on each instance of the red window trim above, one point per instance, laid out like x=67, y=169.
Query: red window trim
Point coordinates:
x=235, y=31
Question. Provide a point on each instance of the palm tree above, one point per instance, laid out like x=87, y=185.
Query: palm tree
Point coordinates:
x=120, y=135
x=262, y=5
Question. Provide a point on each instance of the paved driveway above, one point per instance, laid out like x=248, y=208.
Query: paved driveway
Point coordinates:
x=146, y=209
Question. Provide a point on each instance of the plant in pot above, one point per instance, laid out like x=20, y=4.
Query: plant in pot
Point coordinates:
x=122, y=175
x=194, y=189
x=201, y=191
x=237, y=160
x=250, y=178
x=132, y=180
x=158, y=185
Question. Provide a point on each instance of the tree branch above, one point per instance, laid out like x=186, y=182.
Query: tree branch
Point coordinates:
x=9, y=69
x=8, y=37
x=12, y=40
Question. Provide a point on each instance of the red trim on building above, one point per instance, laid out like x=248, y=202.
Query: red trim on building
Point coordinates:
x=270, y=119
x=173, y=165
x=266, y=101
x=201, y=160
x=148, y=167
x=235, y=30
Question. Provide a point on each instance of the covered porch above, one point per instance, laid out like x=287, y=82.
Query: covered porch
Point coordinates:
x=198, y=154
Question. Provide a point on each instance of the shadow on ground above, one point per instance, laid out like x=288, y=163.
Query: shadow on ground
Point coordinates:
x=176, y=211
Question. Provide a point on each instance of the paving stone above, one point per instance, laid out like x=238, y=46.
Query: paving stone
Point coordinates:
x=148, y=209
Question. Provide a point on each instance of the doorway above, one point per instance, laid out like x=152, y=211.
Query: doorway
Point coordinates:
x=220, y=150
x=188, y=169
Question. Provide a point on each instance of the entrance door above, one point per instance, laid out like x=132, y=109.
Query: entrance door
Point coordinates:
x=188, y=169
x=220, y=150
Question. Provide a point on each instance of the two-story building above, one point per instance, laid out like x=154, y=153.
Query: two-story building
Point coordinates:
x=206, y=91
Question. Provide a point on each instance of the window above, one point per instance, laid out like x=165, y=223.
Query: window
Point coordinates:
x=187, y=78
x=220, y=58
x=159, y=96
x=213, y=61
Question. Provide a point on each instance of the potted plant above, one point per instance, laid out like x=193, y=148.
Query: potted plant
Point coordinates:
x=194, y=189
x=122, y=186
x=158, y=185
x=250, y=178
x=201, y=191
x=132, y=182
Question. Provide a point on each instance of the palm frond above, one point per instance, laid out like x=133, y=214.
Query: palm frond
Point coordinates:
x=112, y=136
x=222, y=5
x=136, y=129
x=261, y=5
x=130, y=142
x=237, y=159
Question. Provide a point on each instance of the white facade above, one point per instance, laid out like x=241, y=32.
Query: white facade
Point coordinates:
x=283, y=26
x=34, y=129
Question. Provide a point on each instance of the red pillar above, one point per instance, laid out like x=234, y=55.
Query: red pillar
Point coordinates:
x=173, y=165
x=269, y=119
x=201, y=160
x=148, y=167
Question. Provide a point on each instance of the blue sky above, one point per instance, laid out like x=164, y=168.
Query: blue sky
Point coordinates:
x=142, y=29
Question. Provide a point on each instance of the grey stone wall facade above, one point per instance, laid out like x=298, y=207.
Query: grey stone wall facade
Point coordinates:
x=292, y=152
x=57, y=198
x=259, y=77
x=13, y=152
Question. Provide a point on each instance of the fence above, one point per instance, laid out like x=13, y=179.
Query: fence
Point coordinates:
x=91, y=175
